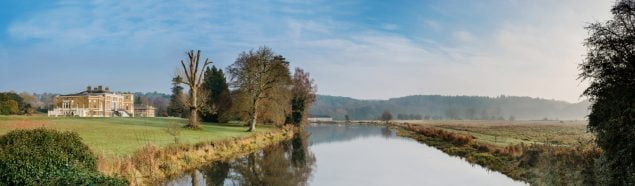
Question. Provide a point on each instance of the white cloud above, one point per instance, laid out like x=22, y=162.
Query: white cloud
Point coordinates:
x=463, y=36
x=534, y=51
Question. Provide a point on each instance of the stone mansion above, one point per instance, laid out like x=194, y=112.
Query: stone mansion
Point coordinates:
x=99, y=102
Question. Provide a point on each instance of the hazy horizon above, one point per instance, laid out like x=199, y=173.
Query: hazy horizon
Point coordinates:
x=358, y=49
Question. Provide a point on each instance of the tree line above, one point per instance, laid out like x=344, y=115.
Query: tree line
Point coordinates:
x=260, y=89
x=12, y=103
x=437, y=107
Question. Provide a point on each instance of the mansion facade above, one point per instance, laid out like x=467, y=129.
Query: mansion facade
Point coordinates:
x=97, y=102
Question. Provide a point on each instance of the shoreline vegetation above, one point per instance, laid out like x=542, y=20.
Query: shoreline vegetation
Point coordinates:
x=554, y=161
x=152, y=165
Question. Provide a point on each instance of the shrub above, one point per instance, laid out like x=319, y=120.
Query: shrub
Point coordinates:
x=48, y=157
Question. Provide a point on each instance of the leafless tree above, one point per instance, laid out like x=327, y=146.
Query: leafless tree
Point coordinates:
x=193, y=73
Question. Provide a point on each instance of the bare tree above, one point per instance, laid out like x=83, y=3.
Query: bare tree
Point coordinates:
x=193, y=72
x=259, y=76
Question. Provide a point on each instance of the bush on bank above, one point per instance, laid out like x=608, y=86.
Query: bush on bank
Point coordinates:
x=48, y=157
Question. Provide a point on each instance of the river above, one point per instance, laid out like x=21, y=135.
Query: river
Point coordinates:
x=345, y=155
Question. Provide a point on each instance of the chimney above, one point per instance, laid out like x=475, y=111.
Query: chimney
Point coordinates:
x=88, y=88
x=100, y=88
x=107, y=89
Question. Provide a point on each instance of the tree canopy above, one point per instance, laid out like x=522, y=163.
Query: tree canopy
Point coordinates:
x=610, y=68
x=261, y=78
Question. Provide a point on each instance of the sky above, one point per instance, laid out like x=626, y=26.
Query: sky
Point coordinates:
x=367, y=49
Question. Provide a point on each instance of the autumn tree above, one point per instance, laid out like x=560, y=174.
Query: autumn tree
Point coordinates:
x=218, y=95
x=193, y=73
x=258, y=75
x=386, y=116
x=609, y=66
x=303, y=95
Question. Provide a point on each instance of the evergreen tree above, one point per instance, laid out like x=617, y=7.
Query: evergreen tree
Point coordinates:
x=218, y=96
x=176, y=106
x=137, y=100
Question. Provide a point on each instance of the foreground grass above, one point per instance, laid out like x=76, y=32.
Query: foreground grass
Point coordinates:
x=123, y=136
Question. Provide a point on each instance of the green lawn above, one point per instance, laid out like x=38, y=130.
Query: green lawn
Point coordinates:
x=122, y=136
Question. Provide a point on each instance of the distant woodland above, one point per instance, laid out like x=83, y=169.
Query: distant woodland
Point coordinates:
x=437, y=107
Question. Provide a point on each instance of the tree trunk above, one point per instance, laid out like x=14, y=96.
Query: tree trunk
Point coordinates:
x=193, y=123
x=252, y=127
x=194, y=178
x=254, y=116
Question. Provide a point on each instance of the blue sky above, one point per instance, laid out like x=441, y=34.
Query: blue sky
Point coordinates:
x=369, y=49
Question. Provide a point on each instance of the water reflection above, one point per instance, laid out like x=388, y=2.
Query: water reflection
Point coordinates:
x=342, y=133
x=345, y=155
x=287, y=163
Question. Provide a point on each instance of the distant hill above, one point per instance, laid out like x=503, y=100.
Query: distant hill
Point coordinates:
x=450, y=107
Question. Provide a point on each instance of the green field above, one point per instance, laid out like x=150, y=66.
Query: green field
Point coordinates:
x=122, y=136
x=504, y=133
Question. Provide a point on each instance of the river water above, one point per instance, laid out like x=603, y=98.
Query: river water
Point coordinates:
x=345, y=155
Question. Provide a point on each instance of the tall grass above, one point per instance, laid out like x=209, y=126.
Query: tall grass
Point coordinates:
x=455, y=138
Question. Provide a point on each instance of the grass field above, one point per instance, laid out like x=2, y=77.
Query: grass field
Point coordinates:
x=505, y=133
x=122, y=136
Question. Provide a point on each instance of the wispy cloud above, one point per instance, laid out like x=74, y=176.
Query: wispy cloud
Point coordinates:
x=532, y=48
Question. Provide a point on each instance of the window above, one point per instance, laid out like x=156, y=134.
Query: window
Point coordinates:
x=66, y=104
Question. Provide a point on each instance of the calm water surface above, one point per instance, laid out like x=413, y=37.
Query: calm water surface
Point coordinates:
x=345, y=155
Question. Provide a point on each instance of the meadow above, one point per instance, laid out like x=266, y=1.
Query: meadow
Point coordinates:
x=123, y=136
x=507, y=133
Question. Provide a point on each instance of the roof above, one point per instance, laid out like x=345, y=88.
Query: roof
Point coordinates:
x=86, y=93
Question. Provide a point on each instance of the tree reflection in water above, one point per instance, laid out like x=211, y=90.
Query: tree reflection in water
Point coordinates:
x=287, y=163
x=386, y=132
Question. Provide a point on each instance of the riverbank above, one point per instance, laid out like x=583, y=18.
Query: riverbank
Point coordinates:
x=151, y=165
x=537, y=163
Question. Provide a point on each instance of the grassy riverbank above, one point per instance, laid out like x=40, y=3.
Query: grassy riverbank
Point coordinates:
x=151, y=165
x=506, y=133
x=538, y=152
x=147, y=150
x=123, y=136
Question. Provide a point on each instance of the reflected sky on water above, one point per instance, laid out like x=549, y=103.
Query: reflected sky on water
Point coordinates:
x=345, y=155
